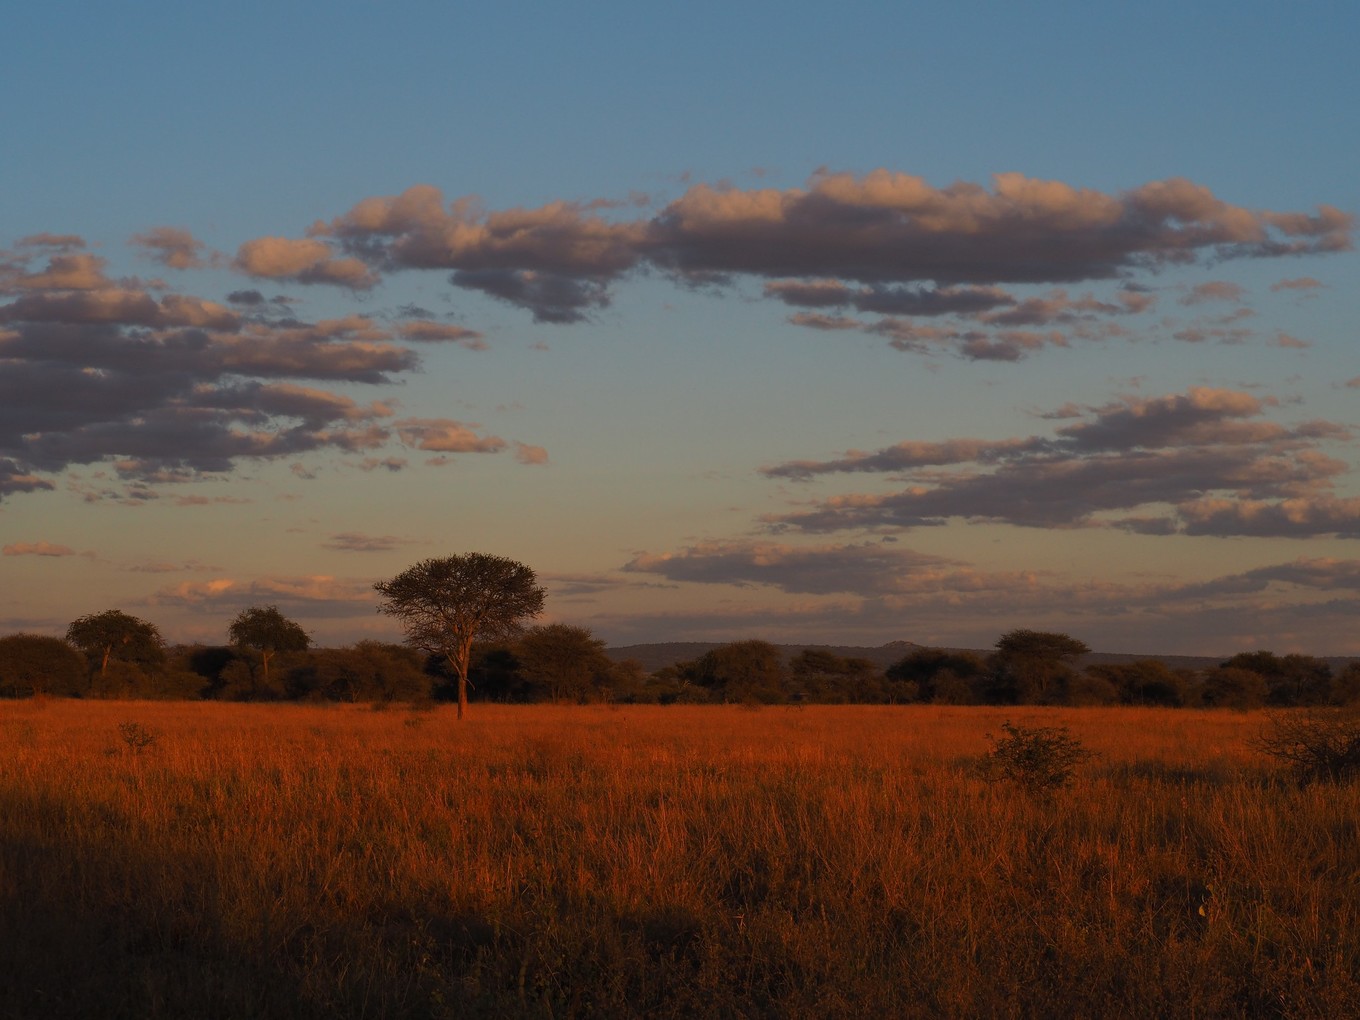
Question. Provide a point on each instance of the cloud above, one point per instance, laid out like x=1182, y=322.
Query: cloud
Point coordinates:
x=883, y=242
x=444, y=435
x=1214, y=290
x=353, y=541
x=1205, y=462
x=171, y=246
x=863, y=569
x=425, y=332
x=889, y=300
x=308, y=596
x=1283, y=339
x=168, y=389
x=552, y=297
x=63, y=271
x=1303, y=283
x=528, y=454
x=37, y=549
x=303, y=260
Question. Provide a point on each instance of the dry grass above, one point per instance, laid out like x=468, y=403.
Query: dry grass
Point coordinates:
x=684, y=861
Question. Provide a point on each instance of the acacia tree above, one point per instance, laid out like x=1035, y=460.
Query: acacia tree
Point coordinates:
x=268, y=631
x=445, y=603
x=117, y=635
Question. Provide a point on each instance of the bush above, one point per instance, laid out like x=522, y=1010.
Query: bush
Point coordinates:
x=1317, y=746
x=1037, y=758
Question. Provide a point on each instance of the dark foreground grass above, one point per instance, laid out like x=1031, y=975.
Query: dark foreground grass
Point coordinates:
x=682, y=862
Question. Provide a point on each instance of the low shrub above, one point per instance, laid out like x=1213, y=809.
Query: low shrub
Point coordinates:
x=1037, y=758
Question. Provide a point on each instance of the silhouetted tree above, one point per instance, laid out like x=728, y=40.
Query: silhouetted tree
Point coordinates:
x=1233, y=687
x=1290, y=679
x=564, y=662
x=267, y=631
x=1143, y=682
x=1033, y=666
x=366, y=671
x=823, y=676
x=741, y=671
x=1346, y=685
x=445, y=604
x=37, y=664
x=937, y=674
x=115, y=635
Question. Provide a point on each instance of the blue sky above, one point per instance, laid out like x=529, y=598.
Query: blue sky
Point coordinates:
x=783, y=321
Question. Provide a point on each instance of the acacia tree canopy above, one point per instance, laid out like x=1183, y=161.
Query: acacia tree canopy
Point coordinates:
x=268, y=631
x=117, y=635
x=445, y=603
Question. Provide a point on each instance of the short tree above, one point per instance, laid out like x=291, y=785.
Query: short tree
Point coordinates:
x=32, y=664
x=116, y=635
x=268, y=631
x=1038, y=758
x=1033, y=666
x=1320, y=745
x=568, y=663
x=741, y=671
x=445, y=603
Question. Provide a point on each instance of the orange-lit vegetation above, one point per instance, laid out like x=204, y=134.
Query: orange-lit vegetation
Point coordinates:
x=240, y=860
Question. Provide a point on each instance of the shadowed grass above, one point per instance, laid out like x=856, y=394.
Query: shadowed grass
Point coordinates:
x=685, y=861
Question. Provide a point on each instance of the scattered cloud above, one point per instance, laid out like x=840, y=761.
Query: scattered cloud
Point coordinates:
x=527, y=454
x=425, y=332
x=353, y=541
x=171, y=388
x=37, y=549
x=172, y=247
x=1214, y=290
x=883, y=242
x=1304, y=283
x=444, y=435
x=302, y=260
x=1205, y=462
x=317, y=595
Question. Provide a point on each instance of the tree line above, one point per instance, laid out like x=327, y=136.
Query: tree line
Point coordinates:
x=268, y=657
x=465, y=615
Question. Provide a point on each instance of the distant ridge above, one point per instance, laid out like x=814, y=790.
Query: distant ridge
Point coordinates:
x=657, y=656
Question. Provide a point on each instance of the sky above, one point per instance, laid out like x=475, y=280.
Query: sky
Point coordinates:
x=819, y=324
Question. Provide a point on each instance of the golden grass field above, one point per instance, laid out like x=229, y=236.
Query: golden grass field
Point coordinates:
x=290, y=861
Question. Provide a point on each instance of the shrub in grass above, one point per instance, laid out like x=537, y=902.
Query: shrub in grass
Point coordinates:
x=1316, y=746
x=1037, y=758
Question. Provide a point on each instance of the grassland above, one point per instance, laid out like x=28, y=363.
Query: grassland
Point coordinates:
x=290, y=861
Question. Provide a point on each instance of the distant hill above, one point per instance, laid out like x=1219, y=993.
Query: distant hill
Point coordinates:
x=657, y=656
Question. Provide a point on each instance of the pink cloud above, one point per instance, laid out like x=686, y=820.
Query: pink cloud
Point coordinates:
x=304, y=260
x=37, y=549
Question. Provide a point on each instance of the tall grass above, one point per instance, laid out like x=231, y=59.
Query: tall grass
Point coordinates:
x=682, y=861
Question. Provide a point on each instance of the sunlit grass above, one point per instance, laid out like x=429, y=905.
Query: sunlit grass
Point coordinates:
x=679, y=861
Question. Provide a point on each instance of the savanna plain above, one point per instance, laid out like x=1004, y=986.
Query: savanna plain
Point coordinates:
x=230, y=860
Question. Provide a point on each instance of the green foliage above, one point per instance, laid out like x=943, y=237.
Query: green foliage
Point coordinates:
x=1316, y=746
x=32, y=664
x=1037, y=758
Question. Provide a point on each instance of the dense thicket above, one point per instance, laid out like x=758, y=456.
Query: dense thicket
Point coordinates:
x=112, y=655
